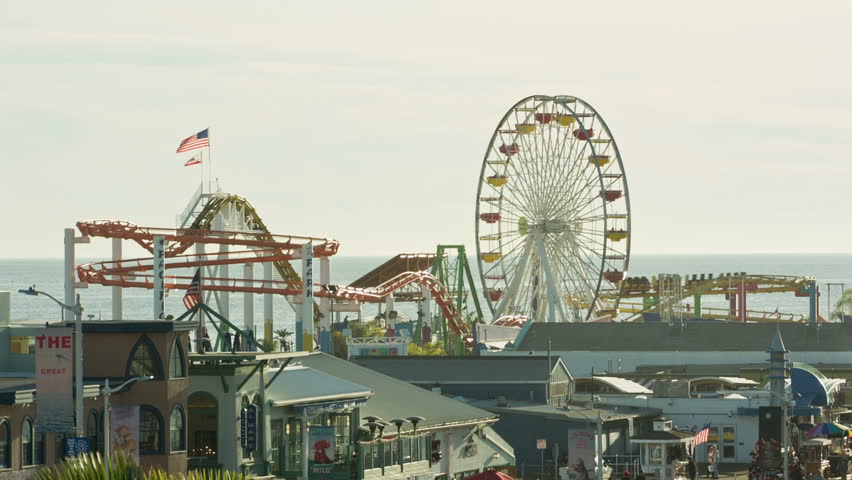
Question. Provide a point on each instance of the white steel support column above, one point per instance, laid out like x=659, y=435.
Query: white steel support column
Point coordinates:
x=70, y=283
x=267, y=302
x=388, y=309
x=554, y=303
x=325, y=302
x=427, y=306
x=509, y=295
x=224, y=303
x=117, y=299
x=248, y=298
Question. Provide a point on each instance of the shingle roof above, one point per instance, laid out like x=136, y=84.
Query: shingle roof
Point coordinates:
x=299, y=385
x=394, y=398
x=695, y=336
x=461, y=369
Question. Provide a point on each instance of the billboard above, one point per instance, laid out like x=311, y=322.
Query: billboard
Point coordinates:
x=124, y=430
x=54, y=397
x=321, y=455
x=581, y=453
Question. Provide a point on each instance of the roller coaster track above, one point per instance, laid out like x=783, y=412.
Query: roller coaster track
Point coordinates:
x=260, y=246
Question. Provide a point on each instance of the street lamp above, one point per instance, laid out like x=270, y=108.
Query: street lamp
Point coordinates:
x=399, y=422
x=785, y=437
x=598, y=441
x=106, y=393
x=77, y=310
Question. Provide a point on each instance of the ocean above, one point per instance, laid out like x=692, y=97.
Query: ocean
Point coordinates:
x=46, y=275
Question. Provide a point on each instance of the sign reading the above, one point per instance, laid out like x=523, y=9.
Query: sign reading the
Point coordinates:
x=54, y=402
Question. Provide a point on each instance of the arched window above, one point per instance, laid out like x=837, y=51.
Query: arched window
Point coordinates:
x=27, y=443
x=144, y=360
x=5, y=444
x=39, y=447
x=177, y=430
x=177, y=364
x=92, y=431
x=150, y=430
x=202, y=424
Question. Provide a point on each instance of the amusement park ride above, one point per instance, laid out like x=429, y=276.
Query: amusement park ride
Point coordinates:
x=553, y=245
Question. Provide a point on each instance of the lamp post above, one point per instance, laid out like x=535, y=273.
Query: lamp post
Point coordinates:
x=106, y=391
x=785, y=436
x=399, y=422
x=77, y=310
x=598, y=442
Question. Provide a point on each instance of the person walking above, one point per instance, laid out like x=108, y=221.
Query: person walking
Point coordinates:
x=691, y=469
x=713, y=461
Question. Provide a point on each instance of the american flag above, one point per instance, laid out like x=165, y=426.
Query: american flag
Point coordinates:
x=701, y=436
x=194, y=160
x=193, y=293
x=199, y=140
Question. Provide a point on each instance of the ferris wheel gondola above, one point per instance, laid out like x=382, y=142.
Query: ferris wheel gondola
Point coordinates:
x=552, y=213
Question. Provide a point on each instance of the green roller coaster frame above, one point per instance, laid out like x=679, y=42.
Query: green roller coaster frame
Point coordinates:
x=454, y=273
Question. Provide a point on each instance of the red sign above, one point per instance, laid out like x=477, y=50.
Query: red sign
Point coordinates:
x=54, y=400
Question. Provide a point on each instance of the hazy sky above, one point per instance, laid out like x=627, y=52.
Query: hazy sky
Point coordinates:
x=368, y=121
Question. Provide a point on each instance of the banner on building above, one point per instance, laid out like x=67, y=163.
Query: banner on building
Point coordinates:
x=54, y=397
x=581, y=453
x=124, y=430
x=321, y=455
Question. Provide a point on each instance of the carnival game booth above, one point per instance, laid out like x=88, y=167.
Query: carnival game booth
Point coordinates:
x=663, y=451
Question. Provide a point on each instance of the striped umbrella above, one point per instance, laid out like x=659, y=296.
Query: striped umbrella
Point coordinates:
x=828, y=430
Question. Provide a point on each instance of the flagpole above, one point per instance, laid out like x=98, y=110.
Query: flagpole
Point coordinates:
x=209, y=159
x=201, y=153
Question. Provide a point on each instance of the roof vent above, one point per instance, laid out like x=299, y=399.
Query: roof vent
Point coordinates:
x=502, y=402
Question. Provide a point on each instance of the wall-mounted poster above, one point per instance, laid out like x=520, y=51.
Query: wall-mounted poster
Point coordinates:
x=54, y=398
x=125, y=430
x=321, y=453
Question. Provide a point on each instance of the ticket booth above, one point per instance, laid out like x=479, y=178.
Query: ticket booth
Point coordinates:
x=663, y=451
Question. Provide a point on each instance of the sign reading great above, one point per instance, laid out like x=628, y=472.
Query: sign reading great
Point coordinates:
x=55, y=401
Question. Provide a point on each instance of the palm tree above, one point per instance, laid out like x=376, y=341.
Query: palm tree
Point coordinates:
x=282, y=336
x=843, y=307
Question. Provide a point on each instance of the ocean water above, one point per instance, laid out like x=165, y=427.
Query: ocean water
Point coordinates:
x=46, y=275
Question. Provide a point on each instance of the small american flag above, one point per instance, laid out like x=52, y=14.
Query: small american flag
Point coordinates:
x=701, y=436
x=199, y=140
x=193, y=293
x=194, y=160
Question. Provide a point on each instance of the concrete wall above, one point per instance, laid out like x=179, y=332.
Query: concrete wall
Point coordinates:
x=581, y=363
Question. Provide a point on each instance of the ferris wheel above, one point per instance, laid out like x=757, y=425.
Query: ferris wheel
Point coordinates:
x=552, y=213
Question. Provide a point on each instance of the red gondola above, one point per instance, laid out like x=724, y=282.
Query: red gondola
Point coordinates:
x=612, y=195
x=614, y=276
x=495, y=295
x=509, y=149
x=543, y=118
x=491, y=217
x=581, y=134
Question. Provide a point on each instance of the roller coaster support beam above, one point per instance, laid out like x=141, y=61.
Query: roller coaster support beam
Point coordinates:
x=267, y=303
x=71, y=283
x=117, y=299
x=248, y=298
x=223, y=298
x=697, y=302
x=325, y=302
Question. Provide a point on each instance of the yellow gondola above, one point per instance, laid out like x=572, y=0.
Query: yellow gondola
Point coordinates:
x=490, y=257
x=497, y=180
x=616, y=235
x=599, y=160
x=526, y=128
x=565, y=120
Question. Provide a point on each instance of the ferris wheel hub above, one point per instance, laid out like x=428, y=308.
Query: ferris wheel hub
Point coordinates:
x=550, y=226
